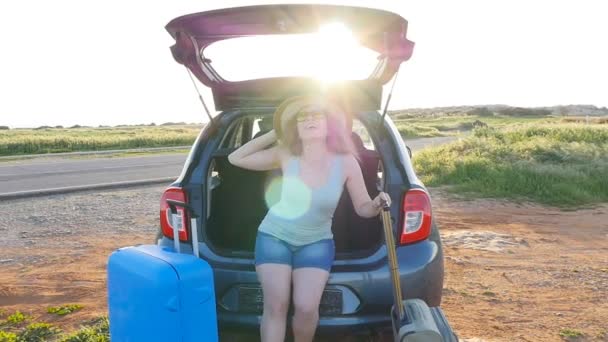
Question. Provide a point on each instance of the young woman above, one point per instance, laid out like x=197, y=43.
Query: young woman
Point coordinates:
x=294, y=241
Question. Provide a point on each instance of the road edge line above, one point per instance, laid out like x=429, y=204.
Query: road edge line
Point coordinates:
x=71, y=189
x=85, y=153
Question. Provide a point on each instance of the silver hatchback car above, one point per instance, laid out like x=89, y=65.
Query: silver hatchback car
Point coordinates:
x=230, y=202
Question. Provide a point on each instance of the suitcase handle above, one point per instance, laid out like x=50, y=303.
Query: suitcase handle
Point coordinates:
x=173, y=204
x=193, y=226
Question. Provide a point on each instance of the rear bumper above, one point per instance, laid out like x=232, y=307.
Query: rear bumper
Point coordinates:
x=367, y=290
x=339, y=325
x=327, y=325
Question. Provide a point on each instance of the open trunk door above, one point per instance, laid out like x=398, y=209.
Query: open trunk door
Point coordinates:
x=378, y=30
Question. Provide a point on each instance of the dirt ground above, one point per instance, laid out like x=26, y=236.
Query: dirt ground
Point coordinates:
x=514, y=271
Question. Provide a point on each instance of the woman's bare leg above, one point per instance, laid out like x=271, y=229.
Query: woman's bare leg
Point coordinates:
x=276, y=288
x=308, y=285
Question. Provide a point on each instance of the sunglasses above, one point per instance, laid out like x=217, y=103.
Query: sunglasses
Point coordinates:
x=305, y=115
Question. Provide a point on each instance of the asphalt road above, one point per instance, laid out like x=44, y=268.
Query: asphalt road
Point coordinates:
x=58, y=174
x=43, y=173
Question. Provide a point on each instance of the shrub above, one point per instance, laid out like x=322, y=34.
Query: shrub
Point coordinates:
x=17, y=317
x=64, y=309
x=8, y=336
x=173, y=124
x=519, y=111
x=570, y=333
x=99, y=331
x=481, y=111
x=38, y=332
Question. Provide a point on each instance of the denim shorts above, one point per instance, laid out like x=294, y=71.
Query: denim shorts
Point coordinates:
x=270, y=249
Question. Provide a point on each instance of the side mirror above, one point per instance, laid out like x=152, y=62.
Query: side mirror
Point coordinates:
x=409, y=151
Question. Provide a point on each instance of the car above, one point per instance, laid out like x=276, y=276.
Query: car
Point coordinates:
x=230, y=202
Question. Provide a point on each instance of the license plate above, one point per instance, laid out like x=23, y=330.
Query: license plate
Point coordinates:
x=252, y=301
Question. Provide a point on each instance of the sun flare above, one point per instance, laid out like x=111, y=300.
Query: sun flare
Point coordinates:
x=339, y=52
x=329, y=55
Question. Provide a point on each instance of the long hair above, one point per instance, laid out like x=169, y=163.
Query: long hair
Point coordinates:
x=338, y=138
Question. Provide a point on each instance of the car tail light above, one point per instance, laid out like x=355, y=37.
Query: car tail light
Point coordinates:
x=168, y=219
x=416, y=216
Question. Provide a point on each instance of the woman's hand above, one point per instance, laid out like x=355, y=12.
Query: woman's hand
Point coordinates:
x=382, y=198
x=254, y=155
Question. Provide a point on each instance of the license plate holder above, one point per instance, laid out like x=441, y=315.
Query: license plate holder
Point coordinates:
x=251, y=300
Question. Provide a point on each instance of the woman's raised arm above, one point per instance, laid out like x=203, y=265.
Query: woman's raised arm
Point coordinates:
x=254, y=156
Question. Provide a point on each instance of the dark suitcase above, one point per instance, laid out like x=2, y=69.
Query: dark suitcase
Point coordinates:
x=412, y=319
x=159, y=294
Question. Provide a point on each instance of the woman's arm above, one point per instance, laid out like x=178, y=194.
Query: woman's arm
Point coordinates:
x=364, y=205
x=254, y=156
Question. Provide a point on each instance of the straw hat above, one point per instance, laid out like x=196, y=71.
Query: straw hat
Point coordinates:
x=289, y=108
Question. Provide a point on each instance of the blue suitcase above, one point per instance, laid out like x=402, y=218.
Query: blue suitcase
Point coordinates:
x=159, y=294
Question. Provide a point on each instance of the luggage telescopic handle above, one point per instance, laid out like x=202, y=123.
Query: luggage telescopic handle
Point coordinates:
x=392, y=260
x=193, y=227
x=186, y=206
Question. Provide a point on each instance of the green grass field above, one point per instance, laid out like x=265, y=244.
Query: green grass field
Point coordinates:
x=52, y=140
x=556, y=164
x=17, y=142
x=444, y=125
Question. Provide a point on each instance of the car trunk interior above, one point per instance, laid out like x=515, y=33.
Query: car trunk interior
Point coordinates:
x=235, y=198
x=236, y=205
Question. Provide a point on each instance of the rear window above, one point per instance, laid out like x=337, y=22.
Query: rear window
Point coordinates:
x=363, y=133
x=330, y=55
x=247, y=128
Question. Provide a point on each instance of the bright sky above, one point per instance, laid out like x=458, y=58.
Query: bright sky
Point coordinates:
x=108, y=62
